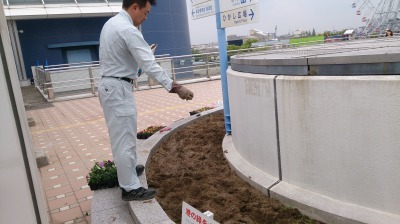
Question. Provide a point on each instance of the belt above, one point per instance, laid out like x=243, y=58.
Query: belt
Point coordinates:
x=120, y=78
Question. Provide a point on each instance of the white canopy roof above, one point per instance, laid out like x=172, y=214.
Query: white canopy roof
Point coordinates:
x=19, y=12
x=347, y=32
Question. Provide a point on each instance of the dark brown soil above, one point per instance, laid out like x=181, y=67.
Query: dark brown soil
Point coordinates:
x=191, y=167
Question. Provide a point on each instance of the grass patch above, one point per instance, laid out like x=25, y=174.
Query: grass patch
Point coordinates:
x=306, y=41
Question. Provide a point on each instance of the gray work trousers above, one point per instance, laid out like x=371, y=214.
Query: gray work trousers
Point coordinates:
x=119, y=109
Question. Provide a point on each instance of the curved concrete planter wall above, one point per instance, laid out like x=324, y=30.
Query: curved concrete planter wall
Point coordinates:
x=329, y=144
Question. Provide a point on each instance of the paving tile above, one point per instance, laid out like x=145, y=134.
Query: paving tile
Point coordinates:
x=51, y=167
x=62, y=202
x=83, y=193
x=58, y=128
x=58, y=191
x=67, y=215
x=80, y=145
x=86, y=205
x=52, y=183
x=62, y=153
x=67, y=158
x=69, y=167
x=72, y=176
x=88, y=219
x=47, y=175
x=77, y=184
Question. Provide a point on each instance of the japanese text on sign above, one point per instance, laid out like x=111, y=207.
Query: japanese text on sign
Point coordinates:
x=191, y=215
x=203, y=10
x=240, y=16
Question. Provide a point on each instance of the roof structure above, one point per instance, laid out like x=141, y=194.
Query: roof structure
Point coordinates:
x=43, y=9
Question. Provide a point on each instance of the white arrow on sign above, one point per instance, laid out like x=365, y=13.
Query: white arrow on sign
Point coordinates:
x=227, y=5
x=204, y=9
x=196, y=2
x=240, y=16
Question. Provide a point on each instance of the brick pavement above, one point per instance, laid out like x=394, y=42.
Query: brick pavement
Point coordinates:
x=74, y=134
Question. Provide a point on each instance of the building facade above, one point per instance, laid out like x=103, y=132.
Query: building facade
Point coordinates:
x=53, y=32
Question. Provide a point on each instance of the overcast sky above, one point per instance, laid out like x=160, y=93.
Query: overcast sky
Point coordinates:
x=288, y=15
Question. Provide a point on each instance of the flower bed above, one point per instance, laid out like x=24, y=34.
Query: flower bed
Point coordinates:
x=102, y=175
x=146, y=133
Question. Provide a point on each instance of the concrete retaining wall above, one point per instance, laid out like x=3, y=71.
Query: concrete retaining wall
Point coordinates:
x=337, y=136
x=252, y=98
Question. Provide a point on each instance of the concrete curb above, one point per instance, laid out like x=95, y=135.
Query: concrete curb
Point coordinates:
x=314, y=205
x=147, y=212
x=107, y=204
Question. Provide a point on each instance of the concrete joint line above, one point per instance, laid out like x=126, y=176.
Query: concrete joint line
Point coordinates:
x=277, y=131
x=270, y=187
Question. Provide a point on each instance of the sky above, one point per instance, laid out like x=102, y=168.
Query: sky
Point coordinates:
x=288, y=15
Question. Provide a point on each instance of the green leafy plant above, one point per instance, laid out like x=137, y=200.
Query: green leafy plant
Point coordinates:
x=149, y=131
x=103, y=174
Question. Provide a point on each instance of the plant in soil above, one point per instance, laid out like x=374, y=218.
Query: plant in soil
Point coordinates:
x=190, y=166
x=200, y=110
x=149, y=131
x=102, y=175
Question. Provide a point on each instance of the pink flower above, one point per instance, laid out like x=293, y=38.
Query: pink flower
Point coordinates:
x=101, y=164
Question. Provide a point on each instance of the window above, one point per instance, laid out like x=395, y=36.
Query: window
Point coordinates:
x=80, y=54
x=25, y=2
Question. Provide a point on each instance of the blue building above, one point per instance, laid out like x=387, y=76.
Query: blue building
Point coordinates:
x=51, y=32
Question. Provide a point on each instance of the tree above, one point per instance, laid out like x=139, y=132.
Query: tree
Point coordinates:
x=233, y=47
x=327, y=33
x=313, y=32
x=195, y=51
x=248, y=43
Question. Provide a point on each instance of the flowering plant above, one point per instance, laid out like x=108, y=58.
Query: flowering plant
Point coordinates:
x=103, y=174
x=149, y=131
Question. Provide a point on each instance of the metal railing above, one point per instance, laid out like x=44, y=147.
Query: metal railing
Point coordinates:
x=65, y=80
x=61, y=80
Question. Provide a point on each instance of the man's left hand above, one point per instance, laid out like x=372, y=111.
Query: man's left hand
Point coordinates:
x=183, y=92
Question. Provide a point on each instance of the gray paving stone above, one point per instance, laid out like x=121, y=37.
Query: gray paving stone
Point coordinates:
x=41, y=158
x=117, y=215
x=107, y=199
x=148, y=212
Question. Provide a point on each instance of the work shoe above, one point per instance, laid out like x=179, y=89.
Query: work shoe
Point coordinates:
x=139, y=169
x=139, y=194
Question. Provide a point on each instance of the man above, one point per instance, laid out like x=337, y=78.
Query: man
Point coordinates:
x=122, y=51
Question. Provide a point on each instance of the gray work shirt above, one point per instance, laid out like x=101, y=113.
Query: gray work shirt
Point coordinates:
x=123, y=49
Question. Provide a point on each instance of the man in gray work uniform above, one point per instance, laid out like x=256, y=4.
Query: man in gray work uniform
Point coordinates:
x=122, y=51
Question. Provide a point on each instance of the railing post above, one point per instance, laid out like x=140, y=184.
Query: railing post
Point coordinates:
x=41, y=78
x=207, y=66
x=92, y=81
x=48, y=86
x=173, y=69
